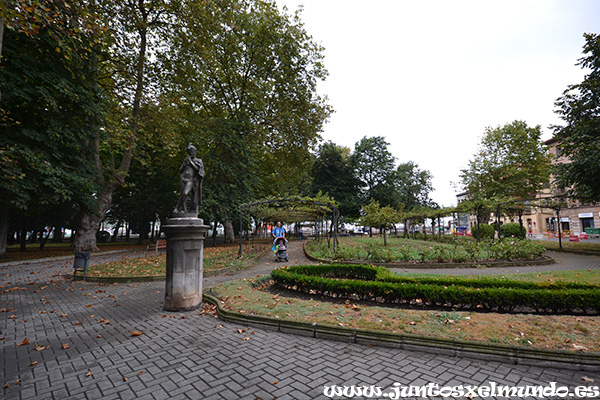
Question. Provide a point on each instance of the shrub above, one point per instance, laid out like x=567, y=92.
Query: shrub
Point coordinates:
x=487, y=231
x=376, y=283
x=512, y=229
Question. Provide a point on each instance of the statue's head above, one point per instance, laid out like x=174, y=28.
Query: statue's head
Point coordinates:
x=191, y=150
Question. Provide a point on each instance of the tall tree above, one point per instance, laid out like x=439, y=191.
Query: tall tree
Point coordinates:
x=579, y=108
x=512, y=162
x=374, y=166
x=133, y=32
x=413, y=185
x=52, y=106
x=332, y=174
x=242, y=63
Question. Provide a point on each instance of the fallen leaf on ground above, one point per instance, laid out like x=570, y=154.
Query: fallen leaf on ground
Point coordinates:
x=64, y=346
x=586, y=379
x=89, y=373
x=25, y=342
x=40, y=347
x=33, y=363
x=137, y=333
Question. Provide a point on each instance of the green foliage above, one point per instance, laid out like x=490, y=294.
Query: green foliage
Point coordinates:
x=374, y=167
x=487, y=231
x=512, y=229
x=369, y=283
x=512, y=162
x=333, y=174
x=412, y=185
x=51, y=106
x=246, y=62
x=579, y=138
x=382, y=217
x=451, y=249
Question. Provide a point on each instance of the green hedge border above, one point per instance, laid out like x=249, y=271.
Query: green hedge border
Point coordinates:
x=589, y=361
x=367, y=283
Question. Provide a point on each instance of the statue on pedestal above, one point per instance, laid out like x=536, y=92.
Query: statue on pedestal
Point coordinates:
x=192, y=174
x=185, y=234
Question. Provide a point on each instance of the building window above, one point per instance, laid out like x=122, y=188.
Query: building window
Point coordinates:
x=587, y=223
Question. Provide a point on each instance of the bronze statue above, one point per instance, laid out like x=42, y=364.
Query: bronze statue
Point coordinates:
x=192, y=174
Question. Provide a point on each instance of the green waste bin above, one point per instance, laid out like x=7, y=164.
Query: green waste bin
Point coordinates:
x=82, y=260
x=592, y=231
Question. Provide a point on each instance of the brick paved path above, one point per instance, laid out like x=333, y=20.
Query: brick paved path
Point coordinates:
x=192, y=356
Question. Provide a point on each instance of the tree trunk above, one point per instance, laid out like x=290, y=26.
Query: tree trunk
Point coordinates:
x=229, y=233
x=214, y=234
x=23, y=240
x=87, y=226
x=44, y=238
x=58, y=234
x=115, y=234
x=3, y=228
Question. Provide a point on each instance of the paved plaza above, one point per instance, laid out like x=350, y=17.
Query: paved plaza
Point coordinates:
x=73, y=340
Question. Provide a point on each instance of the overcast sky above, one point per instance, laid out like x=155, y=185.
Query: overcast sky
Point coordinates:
x=430, y=76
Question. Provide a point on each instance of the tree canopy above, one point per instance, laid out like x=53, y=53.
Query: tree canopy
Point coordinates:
x=512, y=162
x=332, y=173
x=374, y=165
x=579, y=138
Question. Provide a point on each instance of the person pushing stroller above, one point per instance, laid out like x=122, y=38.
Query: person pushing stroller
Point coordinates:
x=279, y=243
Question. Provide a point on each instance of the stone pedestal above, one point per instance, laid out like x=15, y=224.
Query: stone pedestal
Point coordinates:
x=185, y=256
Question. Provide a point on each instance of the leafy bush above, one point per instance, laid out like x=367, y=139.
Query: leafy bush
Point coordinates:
x=376, y=283
x=483, y=231
x=512, y=229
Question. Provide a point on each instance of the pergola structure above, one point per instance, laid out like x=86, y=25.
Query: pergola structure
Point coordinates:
x=286, y=209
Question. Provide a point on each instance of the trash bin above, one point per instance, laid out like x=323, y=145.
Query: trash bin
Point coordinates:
x=81, y=262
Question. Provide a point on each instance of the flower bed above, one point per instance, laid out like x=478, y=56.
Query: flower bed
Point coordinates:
x=416, y=251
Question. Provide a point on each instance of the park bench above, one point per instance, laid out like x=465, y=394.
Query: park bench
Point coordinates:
x=160, y=244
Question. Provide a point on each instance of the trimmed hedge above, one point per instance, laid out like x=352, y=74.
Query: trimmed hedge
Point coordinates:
x=487, y=231
x=368, y=283
x=512, y=229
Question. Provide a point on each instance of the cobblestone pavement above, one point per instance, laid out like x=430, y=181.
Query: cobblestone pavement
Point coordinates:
x=73, y=340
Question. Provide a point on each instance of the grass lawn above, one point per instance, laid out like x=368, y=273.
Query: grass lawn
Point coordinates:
x=590, y=277
x=566, y=245
x=568, y=332
x=155, y=265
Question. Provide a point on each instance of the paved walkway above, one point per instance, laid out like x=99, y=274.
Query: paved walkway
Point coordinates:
x=73, y=340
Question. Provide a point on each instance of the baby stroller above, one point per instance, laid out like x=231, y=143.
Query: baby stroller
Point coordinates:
x=280, y=249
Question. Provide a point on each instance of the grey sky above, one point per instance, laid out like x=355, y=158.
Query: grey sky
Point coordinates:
x=430, y=76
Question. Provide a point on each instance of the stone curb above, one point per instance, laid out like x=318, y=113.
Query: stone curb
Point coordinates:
x=457, y=348
x=488, y=264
